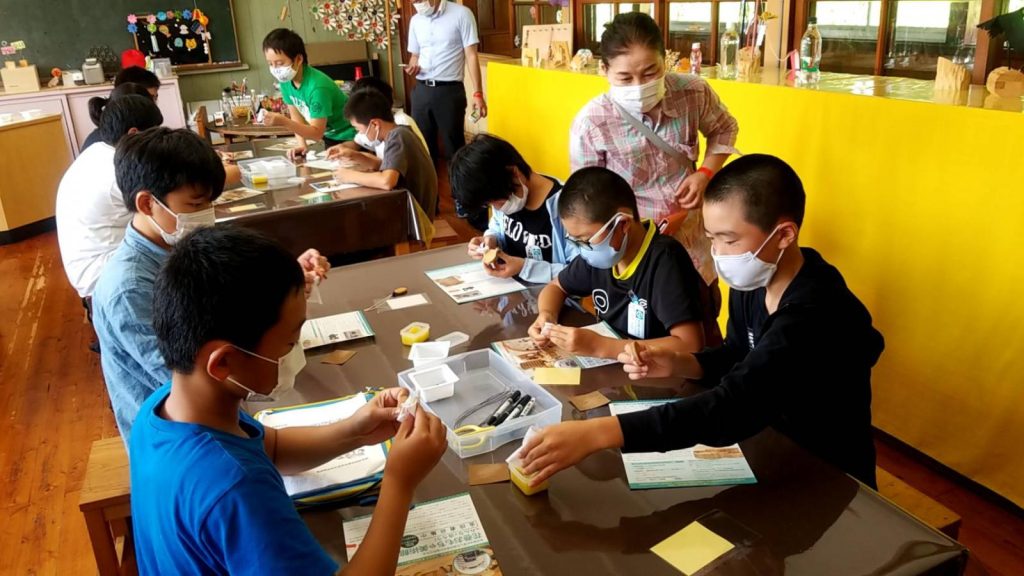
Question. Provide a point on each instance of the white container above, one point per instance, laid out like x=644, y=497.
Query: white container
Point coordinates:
x=434, y=383
x=427, y=353
x=32, y=114
x=68, y=77
x=93, y=71
x=482, y=374
x=162, y=67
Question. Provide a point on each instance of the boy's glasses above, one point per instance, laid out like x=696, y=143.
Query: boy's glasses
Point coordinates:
x=588, y=244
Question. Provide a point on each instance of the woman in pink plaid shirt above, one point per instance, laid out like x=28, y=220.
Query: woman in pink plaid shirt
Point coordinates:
x=674, y=107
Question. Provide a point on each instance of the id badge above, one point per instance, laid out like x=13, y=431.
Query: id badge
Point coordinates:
x=533, y=252
x=637, y=311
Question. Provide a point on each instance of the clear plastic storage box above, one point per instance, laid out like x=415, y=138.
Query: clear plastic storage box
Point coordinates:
x=273, y=172
x=483, y=374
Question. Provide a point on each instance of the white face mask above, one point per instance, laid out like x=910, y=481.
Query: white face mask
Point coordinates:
x=185, y=223
x=288, y=367
x=424, y=8
x=746, y=272
x=639, y=99
x=515, y=203
x=283, y=73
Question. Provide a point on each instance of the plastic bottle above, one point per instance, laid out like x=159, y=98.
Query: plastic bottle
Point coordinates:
x=727, y=56
x=695, y=58
x=810, y=53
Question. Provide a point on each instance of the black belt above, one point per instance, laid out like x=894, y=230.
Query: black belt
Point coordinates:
x=433, y=83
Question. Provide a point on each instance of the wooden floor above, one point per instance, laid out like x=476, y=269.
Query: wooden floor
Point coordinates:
x=54, y=405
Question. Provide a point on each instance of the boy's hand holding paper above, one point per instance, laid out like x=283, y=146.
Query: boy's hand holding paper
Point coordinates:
x=641, y=361
x=415, y=449
x=560, y=446
x=377, y=421
x=575, y=340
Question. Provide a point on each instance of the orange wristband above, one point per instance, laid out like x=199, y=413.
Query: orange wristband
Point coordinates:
x=478, y=94
x=707, y=172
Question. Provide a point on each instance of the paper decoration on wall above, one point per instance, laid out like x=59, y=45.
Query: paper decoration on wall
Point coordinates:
x=18, y=44
x=177, y=36
x=364, y=20
x=8, y=50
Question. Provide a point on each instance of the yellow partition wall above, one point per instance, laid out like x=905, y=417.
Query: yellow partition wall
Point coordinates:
x=921, y=206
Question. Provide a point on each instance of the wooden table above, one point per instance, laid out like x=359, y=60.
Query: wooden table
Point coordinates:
x=803, y=516
x=105, y=502
x=335, y=223
x=232, y=132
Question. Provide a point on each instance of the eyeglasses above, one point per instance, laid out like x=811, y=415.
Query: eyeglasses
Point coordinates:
x=588, y=244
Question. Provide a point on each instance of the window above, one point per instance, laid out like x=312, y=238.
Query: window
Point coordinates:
x=595, y=16
x=528, y=13
x=689, y=22
x=895, y=37
x=1014, y=5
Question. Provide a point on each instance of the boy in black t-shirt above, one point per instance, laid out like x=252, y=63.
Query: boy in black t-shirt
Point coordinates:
x=643, y=284
x=489, y=172
x=797, y=356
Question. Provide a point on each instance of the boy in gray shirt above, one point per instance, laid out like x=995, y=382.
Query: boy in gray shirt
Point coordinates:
x=406, y=164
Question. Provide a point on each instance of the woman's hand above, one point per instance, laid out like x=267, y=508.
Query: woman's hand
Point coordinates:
x=690, y=194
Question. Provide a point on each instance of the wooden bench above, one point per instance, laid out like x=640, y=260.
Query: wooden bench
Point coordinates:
x=105, y=502
x=917, y=504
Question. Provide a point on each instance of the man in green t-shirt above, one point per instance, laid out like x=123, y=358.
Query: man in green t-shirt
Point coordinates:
x=315, y=104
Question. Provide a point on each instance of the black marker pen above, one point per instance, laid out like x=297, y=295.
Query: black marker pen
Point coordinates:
x=501, y=408
x=519, y=407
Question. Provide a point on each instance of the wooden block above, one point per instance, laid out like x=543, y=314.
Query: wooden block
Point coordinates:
x=1006, y=83
x=950, y=77
x=918, y=504
x=492, y=258
x=633, y=349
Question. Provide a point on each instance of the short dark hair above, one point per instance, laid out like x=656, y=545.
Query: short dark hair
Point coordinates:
x=97, y=103
x=160, y=160
x=480, y=173
x=596, y=194
x=126, y=112
x=374, y=83
x=220, y=283
x=629, y=29
x=286, y=42
x=767, y=187
x=137, y=75
x=366, y=105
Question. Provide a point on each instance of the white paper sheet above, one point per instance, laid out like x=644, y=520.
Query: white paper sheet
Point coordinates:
x=697, y=466
x=438, y=528
x=406, y=301
x=333, y=329
x=469, y=283
x=346, y=468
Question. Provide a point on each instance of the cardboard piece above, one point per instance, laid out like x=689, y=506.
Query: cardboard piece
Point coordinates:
x=692, y=548
x=950, y=77
x=545, y=44
x=557, y=376
x=338, y=357
x=590, y=401
x=488, y=474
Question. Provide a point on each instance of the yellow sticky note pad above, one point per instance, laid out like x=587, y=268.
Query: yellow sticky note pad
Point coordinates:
x=692, y=548
x=557, y=376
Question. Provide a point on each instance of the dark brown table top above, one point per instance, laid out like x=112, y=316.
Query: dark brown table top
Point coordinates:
x=802, y=517
x=337, y=222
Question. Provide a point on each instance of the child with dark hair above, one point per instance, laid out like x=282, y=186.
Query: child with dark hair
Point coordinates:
x=781, y=364
x=140, y=76
x=643, y=283
x=315, y=102
x=98, y=103
x=355, y=151
x=91, y=215
x=524, y=223
x=406, y=163
x=168, y=181
x=207, y=494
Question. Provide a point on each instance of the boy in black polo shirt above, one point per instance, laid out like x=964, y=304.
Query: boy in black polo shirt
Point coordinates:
x=643, y=284
x=798, y=351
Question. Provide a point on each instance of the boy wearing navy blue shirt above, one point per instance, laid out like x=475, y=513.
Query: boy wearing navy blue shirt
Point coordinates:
x=207, y=493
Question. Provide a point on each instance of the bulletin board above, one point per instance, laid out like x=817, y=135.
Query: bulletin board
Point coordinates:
x=181, y=35
x=547, y=45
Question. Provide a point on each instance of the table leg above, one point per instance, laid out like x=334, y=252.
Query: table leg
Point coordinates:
x=102, y=543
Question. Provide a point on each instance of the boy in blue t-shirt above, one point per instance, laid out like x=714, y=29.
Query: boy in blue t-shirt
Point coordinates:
x=207, y=493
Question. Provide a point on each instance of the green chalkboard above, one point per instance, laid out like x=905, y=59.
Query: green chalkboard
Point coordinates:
x=62, y=33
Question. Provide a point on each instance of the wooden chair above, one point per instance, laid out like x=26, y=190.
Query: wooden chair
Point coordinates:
x=105, y=502
x=917, y=504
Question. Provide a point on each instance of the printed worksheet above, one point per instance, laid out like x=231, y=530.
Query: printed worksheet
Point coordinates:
x=469, y=283
x=527, y=355
x=442, y=536
x=334, y=329
x=356, y=466
x=697, y=466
